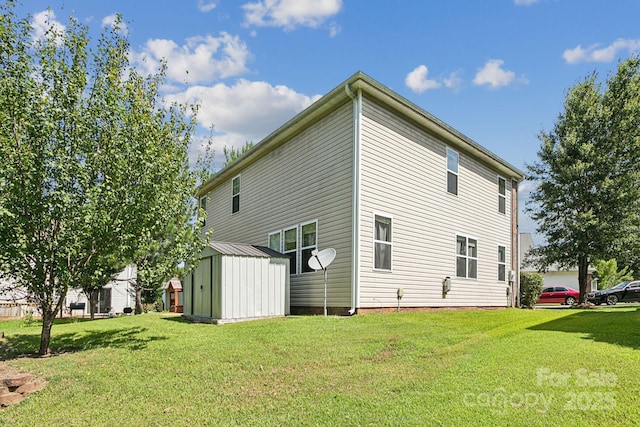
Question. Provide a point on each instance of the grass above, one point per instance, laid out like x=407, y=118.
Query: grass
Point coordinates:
x=493, y=367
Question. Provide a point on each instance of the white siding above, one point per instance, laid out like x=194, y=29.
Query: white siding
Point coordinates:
x=404, y=176
x=307, y=178
x=561, y=278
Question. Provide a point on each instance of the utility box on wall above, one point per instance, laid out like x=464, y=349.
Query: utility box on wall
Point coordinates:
x=237, y=281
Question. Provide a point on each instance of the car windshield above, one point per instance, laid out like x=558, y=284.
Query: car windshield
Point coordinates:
x=620, y=285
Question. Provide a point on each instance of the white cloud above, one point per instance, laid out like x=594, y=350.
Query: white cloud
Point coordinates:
x=493, y=75
x=250, y=109
x=417, y=80
x=334, y=29
x=525, y=2
x=245, y=111
x=46, y=21
x=200, y=60
x=290, y=13
x=110, y=21
x=453, y=81
x=606, y=54
x=206, y=7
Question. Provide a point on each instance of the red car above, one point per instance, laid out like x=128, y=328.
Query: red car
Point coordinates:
x=559, y=294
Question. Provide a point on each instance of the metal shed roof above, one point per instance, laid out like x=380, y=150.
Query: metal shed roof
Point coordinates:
x=244, y=249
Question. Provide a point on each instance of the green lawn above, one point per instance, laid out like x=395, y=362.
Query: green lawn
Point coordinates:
x=482, y=367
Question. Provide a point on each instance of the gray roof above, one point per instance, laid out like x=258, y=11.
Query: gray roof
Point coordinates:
x=244, y=249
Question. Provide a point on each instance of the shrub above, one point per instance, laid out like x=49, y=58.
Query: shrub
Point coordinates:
x=530, y=288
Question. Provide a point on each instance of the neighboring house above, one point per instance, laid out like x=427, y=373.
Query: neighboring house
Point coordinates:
x=112, y=298
x=554, y=276
x=409, y=204
x=13, y=300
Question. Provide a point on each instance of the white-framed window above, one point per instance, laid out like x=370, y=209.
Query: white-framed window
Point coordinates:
x=290, y=248
x=382, y=242
x=274, y=241
x=309, y=242
x=502, y=263
x=203, y=206
x=466, y=257
x=297, y=242
x=235, y=199
x=452, y=171
x=502, y=195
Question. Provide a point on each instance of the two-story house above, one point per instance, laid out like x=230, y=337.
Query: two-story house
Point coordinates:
x=411, y=206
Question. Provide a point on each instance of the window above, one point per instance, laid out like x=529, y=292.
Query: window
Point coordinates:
x=235, y=204
x=452, y=171
x=308, y=244
x=466, y=257
x=382, y=243
x=291, y=248
x=502, y=263
x=502, y=195
x=274, y=241
x=203, y=206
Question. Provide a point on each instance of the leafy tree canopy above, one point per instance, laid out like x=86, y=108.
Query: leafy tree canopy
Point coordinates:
x=94, y=165
x=608, y=274
x=587, y=175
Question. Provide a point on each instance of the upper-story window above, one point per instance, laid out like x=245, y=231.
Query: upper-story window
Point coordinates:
x=452, y=171
x=502, y=195
x=382, y=243
x=466, y=257
x=235, y=205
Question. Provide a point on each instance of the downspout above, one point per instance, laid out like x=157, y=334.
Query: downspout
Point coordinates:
x=355, y=214
x=515, y=230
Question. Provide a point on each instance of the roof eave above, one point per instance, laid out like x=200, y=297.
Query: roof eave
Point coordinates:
x=337, y=96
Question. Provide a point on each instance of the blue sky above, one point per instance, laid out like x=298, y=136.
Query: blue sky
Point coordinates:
x=496, y=70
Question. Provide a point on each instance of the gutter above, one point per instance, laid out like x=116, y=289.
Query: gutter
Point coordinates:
x=355, y=198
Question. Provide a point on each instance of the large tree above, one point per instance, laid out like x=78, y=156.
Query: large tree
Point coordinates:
x=587, y=183
x=90, y=157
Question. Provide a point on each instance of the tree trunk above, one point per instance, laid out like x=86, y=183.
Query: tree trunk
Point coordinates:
x=138, y=300
x=48, y=316
x=93, y=302
x=583, y=271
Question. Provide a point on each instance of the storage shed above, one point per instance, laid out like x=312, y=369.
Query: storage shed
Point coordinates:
x=237, y=281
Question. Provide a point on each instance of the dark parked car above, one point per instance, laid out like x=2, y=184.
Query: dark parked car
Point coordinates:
x=559, y=295
x=622, y=292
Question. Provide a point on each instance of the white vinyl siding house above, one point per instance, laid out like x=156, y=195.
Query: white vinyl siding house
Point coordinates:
x=372, y=173
x=426, y=218
x=307, y=180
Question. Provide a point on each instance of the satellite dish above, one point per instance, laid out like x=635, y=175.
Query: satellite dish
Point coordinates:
x=321, y=260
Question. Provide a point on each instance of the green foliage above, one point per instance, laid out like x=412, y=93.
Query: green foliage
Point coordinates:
x=609, y=275
x=94, y=165
x=231, y=154
x=531, y=285
x=588, y=177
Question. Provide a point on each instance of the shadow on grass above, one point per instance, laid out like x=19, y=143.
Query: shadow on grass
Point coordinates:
x=621, y=327
x=178, y=319
x=17, y=345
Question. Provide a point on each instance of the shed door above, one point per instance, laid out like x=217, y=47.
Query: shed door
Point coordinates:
x=202, y=288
